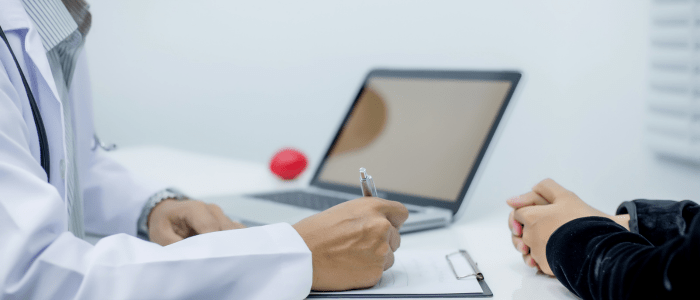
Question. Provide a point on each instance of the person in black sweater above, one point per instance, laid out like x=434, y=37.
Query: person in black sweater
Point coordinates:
x=648, y=250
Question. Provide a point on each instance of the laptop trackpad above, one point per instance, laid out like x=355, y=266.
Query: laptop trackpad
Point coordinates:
x=259, y=211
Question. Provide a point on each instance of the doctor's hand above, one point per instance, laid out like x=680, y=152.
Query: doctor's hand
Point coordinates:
x=172, y=220
x=539, y=213
x=353, y=242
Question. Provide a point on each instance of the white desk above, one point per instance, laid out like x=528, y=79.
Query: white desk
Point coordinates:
x=484, y=235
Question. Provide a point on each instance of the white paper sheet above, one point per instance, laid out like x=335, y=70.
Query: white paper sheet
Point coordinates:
x=422, y=272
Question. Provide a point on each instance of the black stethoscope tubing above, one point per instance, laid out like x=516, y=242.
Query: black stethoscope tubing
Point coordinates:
x=38, y=122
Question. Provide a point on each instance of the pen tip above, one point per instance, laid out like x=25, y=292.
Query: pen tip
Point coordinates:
x=363, y=173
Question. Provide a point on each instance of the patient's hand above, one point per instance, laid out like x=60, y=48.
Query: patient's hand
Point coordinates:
x=516, y=228
x=534, y=221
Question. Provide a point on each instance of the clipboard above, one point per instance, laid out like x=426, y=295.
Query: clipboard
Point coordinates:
x=459, y=277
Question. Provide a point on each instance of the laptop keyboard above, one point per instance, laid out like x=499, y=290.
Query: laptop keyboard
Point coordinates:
x=303, y=199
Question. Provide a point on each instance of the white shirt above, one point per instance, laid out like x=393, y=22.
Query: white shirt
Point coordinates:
x=42, y=260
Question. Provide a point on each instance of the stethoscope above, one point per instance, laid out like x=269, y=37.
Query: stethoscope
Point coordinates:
x=97, y=143
x=39, y=123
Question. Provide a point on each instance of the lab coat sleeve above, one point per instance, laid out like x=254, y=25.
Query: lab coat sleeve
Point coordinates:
x=41, y=260
x=270, y=262
x=113, y=196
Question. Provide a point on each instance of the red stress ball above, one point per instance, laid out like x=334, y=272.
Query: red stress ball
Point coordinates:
x=288, y=163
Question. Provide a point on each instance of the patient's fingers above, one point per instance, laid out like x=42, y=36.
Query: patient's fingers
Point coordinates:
x=526, y=214
x=515, y=227
x=551, y=190
x=527, y=258
x=527, y=199
x=520, y=245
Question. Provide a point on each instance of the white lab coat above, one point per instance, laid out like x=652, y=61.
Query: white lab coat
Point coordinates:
x=40, y=259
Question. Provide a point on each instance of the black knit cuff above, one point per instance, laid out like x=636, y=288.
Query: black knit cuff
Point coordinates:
x=629, y=208
x=659, y=220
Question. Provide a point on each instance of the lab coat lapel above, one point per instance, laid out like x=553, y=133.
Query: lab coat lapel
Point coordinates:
x=14, y=17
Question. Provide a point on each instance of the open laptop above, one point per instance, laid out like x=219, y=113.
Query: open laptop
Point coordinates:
x=422, y=135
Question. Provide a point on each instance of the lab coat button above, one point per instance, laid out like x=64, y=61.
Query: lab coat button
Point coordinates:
x=63, y=168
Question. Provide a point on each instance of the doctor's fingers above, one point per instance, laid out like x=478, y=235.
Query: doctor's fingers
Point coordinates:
x=224, y=222
x=200, y=218
x=527, y=199
x=388, y=260
x=165, y=236
x=393, y=238
x=394, y=241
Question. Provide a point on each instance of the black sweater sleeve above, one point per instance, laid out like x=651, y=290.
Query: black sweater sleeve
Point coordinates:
x=595, y=258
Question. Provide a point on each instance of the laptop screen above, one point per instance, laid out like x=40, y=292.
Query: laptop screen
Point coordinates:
x=417, y=137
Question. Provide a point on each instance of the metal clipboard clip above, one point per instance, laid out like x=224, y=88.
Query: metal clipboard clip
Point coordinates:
x=466, y=256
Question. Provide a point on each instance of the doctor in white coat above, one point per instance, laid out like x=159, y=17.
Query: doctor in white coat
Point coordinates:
x=43, y=257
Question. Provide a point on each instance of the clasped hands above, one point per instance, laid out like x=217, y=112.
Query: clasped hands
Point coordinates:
x=537, y=214
x=351, y=243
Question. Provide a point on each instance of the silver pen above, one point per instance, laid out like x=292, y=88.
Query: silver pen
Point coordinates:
x=367, y=184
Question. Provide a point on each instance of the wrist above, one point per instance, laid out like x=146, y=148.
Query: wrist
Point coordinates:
x=146, y=211
x=299, y=228
x=622, y=220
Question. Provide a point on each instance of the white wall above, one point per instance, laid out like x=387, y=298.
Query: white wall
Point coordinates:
x=245, y=78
